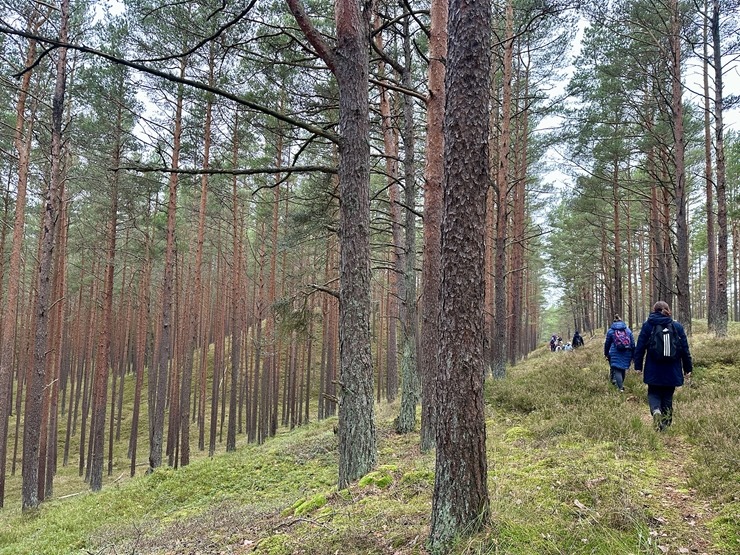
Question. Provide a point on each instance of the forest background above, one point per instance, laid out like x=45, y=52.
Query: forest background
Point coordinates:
x=171, y=207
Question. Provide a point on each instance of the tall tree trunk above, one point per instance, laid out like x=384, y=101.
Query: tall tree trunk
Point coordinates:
x=166, y=336
x=722, y=308
x=617, y=262
x=498, y=347
x=33, y=406
x=679, y=150
x=50, y=416
x=197, y=297
x=349, y=61
x=390, y=145
x=357, y=435
x=711, y=295
x=97, y=425
x=410, y=376
x=518, y=263
x=142, y=326
x=460, y=502
x=22, y=140
x=272, y=364
x=434, y=177
x=235, y=297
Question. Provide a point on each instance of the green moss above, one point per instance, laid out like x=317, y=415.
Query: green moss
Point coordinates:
x=279, y=544
x=291, y=510
x=379, y=478
x=516, y=433
x=310, y=505
x=726, y=527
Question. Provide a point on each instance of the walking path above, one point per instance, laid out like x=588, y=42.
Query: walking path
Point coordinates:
x=679, y=508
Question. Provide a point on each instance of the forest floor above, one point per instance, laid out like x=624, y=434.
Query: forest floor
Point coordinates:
x=574, y=467
x=696, y=513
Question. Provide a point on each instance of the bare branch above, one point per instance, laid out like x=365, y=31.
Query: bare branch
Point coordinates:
x=173, y=78
x=403, y=90
x=222, y=171
x=332, y=292
x=312, y=34
x=206, y=40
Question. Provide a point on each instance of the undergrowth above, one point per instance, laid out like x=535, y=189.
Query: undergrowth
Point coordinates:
x=574, y=467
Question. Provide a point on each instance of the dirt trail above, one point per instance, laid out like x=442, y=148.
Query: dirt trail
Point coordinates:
x=680, y=525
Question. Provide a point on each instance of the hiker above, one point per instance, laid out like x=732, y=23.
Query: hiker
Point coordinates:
x=618, y=348
x=553, y=342
x=577, y=340
x=663, y=345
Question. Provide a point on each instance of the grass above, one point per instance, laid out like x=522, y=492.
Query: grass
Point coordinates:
x=574, y=468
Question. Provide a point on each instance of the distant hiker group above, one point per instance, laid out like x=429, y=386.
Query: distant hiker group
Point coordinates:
x=663, y=348
x=556, y=343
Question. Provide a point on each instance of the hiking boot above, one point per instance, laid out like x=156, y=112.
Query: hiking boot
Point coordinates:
x=658, y=420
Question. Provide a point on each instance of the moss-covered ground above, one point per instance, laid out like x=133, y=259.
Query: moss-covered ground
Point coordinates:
x=574, y=468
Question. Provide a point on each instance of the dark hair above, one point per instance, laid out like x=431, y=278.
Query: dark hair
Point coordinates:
x=663, y=308
x=617, y=318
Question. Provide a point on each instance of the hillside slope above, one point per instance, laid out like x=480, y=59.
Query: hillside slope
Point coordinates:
x=574, y=467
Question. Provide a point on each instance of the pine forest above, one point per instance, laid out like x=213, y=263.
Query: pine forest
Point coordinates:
x=220, y=220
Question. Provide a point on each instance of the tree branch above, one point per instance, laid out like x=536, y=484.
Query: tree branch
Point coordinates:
x=316, y=287
x=206, y=40
x=173, y=78
x=386, y=84
x=221, y=171
x=312, y=34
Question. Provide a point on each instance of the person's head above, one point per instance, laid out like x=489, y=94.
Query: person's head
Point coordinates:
x=617, y=318
x=577, y=332
x=662, y=307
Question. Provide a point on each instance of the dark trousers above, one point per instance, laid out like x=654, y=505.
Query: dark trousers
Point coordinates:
x=617, y=376
x=660, y=397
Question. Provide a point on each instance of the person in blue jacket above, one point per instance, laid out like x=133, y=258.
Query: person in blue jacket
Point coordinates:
x=618, y=349
x=663, y=345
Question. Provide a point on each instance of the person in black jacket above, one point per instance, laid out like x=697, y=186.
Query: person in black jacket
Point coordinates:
x=577, y=340
x=663, y=345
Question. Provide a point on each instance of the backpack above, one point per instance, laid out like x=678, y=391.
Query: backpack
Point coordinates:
x=663, y=343
x=621, y=340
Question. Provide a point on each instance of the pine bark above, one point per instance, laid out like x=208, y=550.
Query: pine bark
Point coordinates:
x=197, y=296
x=235, y=301
x=410, y=392
x=722, y=302
x=349, y=61
x=498, y=338
x=22, y=141
x=165, y=350
x=711, y=296
x=390, y=146
x=460, y=501
x=102, y=367
x=679, y=151
x=34, y=393
x=434, y=177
